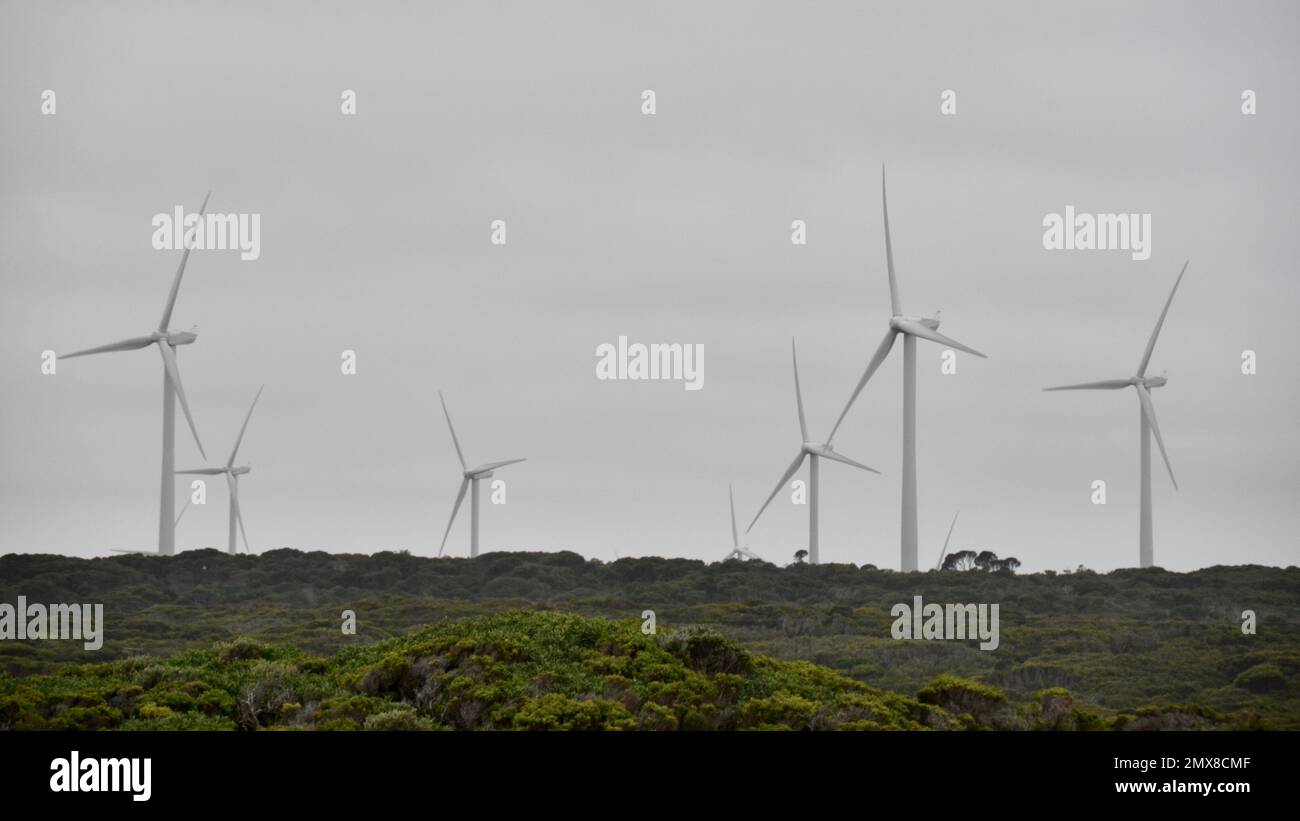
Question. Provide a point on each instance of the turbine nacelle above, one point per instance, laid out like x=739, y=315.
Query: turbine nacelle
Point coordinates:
x=180, y=338
x=898, y=322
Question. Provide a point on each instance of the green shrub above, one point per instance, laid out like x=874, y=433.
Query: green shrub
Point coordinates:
x=555, y=711
x=399, y=717
x=1262, y=678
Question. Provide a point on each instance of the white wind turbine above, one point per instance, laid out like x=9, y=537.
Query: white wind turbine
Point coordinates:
x=232, y=474
x=813, y=451
x=1147, y=425
x=167, y=342
x=738, y=551
x=469, y=478
x=911, y=328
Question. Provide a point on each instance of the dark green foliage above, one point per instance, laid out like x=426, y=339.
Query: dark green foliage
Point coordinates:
x=1262, y=678
x=1118, y=642
x=519, y=670
x=985, y=560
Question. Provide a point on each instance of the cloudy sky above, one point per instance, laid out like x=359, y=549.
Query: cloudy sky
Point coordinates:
x=666, y=228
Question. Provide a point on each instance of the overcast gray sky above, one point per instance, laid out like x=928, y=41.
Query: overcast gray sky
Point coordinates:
x=666, y=228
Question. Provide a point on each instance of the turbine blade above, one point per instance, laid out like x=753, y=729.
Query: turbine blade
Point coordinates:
x=202, y=471
x=233, y=482
x=877, y=358
x=135, y=343
x=180, y=272
x=1103, y=385
x=460, y=497
x=182, y=513
x=894, y=301
x=944, y=552
x=240, y=438
x=495, y=465
x=174, y=374
x=454, y=440
x=838, y=457
x=735, y=536
x=1149, y=411
x=1151, y=343
x=917, y=329
x=798, y=460
x=798, y=394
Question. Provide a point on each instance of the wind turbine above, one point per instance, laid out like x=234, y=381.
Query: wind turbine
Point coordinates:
x=469, y=478
x=232, y=474
x=910, y=328
x=167, y=342
x=738, y=551
x=939, y=564
x=1147, y=425
x=813, y=451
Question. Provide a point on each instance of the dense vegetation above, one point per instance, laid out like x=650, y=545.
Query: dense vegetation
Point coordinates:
x=524, y=671
x=207, y=639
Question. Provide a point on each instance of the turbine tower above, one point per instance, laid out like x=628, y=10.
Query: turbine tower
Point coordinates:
x=469, y=478
x=813, y=451
x=167, y=342
x=232, y=474
x=1146, y=426
x=738, y=551
x=911, y=328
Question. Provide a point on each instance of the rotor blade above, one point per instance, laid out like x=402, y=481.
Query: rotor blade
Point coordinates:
x=917, y=329
x=453, y=431
x=877, y=358
x=1149, y=411
x=182, y=513
x=235, y=449
x=239, y=516
x=1151, y=343
x=894, y=301
x=798, y=394
x=174, y=374
x=180, y=272
x=751, y=554
x=1103, y=385
x=944, y=552
x=460, y=497
x=495, y=465
x=838, y=457
x=735, y=537
x=135, y=343
x=234, y=503
x=203, y=471
x=798, y=460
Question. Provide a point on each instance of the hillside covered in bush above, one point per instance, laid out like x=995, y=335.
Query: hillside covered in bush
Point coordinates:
x=1119, y=643
x=521, y=671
